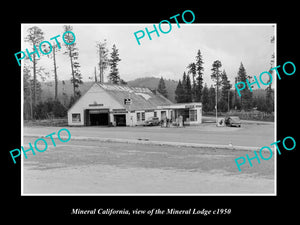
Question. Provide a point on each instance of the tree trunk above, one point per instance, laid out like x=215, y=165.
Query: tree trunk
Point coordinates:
x=73, y=75
x=34, y=80
x=30, y=95
x=55, y=73
x=100, y=65
x=95, y=75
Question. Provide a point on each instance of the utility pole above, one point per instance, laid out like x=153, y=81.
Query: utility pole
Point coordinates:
x=129, y=108
x=95, y=75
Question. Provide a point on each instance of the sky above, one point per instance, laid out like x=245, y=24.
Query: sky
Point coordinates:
x=167, y=55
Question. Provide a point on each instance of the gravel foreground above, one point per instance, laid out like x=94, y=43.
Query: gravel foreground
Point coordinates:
x=95, y=167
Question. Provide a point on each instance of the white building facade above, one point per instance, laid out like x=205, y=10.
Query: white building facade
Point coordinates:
x=119, y=105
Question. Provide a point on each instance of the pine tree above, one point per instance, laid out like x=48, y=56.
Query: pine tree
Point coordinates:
x=73, y=53
x=188, y=91
x=184, y=81
x=216, y=73
x=192, y=70
x=103, y=59
x=187, y=88
x=212, y=98
x=114, y=76
x=216, y=77
x=269, y=90
x=260, y=103
x=205, y=99
x=27, y=92
x=269, y=98
x=55, y=48
x=35, y=36
x=162, y=88
x=225, y=94
x=64, y=94
x=246, y=94
x=179, y=93
x=183, y=84
x=199, y=76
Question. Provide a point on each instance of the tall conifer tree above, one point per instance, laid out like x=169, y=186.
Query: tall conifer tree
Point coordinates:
x=205, y=98
x=114, y=76
x=188, y=91
x=179, y=93
x=162, y=88
x=192, y=70
x=246, y=94
x=35, y=36
x=212, y=98
x=73, y=53
x=199, y=76
x=225, y=95
x=269, y=90
x=103, y=59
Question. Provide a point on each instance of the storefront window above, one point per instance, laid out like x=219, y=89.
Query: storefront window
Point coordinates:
x=138, y=116
x=193, y=115
x=76, y=117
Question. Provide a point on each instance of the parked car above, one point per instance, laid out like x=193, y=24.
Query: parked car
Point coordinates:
x=152, y=121
x=232, y=121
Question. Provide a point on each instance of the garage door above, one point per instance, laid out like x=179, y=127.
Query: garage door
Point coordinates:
x=97, y=117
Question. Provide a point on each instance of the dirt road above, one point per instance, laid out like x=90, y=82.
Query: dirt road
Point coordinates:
x=93, y=167
x=250, y=134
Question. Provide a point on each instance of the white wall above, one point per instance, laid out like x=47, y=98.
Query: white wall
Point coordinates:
x=130, y=122
x=148, y=115
x=199, y=117
x=168, y=113
x=141, y=121
x=94, y=94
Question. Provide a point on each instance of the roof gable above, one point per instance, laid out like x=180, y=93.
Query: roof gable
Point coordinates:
x=141, y=98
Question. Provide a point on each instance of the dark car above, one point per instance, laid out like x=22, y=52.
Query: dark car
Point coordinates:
x=152, y=121
x=232, y=121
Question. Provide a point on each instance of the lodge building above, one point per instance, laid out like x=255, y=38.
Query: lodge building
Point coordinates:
x=120, y=105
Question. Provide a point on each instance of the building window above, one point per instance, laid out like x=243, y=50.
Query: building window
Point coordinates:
x=193, y=115
x=143, y=116
x=138, y=116
x=76, y=117
x=155, y=114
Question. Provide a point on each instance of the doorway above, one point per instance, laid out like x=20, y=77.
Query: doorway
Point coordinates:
x=97, y=117
x=120, y=120
x=163, y=115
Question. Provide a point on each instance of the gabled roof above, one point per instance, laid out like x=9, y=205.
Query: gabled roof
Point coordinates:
x=141, y=98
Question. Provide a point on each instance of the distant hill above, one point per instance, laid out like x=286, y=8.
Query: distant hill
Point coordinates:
x=65, y=88
x=152, y=83
x=149, y=82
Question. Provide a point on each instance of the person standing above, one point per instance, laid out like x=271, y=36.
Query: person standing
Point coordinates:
x=180, y=120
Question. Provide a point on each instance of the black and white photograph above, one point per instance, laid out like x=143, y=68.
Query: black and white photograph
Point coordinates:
x=124, y=111
x=180, y=109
